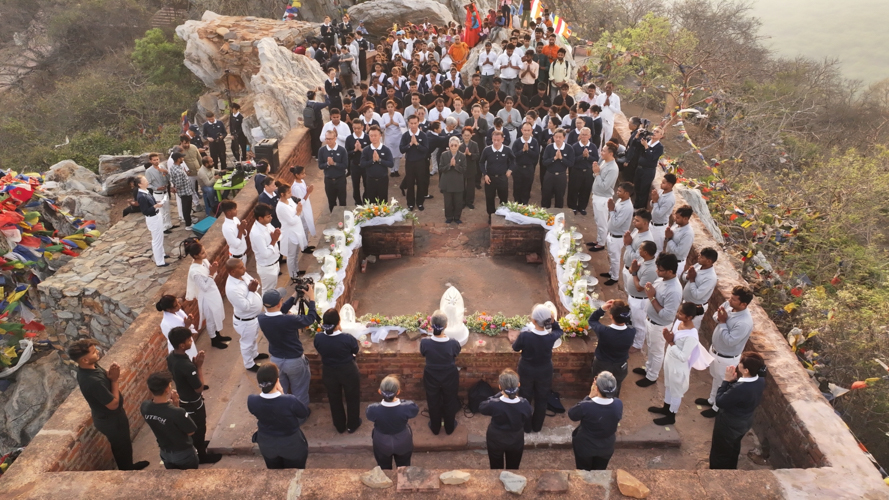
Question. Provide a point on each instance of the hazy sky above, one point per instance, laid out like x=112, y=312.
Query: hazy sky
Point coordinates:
x=853, y=31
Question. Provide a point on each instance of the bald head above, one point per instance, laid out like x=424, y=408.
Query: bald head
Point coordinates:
x=235, y=267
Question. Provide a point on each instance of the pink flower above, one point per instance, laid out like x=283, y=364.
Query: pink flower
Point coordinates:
x=574, y=335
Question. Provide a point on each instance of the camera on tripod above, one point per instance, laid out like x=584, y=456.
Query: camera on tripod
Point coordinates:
x=302, y=284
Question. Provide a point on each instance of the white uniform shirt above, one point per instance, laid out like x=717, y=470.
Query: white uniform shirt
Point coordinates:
x=245, y=304
x=261, y=241
x=236, y=246
x=342, y=131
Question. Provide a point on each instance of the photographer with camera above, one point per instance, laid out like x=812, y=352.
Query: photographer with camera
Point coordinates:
x=282, y=331
x=647, y=165
x=630, y=158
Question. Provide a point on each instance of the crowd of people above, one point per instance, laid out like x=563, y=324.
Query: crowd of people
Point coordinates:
x=413, y=108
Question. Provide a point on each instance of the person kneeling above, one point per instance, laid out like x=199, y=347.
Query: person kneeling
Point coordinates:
x=281, y=442
x=392, y=436
x=599, y=414
x=510, y=414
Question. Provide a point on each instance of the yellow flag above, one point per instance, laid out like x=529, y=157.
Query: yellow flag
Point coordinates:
x=790, y=307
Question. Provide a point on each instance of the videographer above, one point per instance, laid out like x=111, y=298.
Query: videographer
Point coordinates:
x=630, y=158
x=647, y=166
x=282, y=331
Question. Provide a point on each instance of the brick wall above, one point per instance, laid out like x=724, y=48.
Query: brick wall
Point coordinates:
x=395, y=239
x=571, y=364
x=508, y=238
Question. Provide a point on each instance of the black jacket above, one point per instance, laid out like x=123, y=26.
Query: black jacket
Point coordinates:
x=649, y=156
x=355, y=156
x=215, y=130
x=377, y=169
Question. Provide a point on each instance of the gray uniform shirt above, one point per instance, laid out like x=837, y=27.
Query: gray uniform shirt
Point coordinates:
x=647, y=274
x=603, y=184
x=729, y=338
x=631, y=251
x=516, y=119
x=661, y=210
x=620, y=219
x=156, y=179
x=700, y=291
x=669, y=295
x=680, y=243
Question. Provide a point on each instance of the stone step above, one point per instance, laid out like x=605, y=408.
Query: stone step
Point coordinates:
x=233, y=433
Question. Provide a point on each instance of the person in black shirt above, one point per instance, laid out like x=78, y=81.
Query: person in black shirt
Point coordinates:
x=339, y=372
x=646, y=169
x=599, y=414
x=475, y=92
x=262, y=170
x=541, y=102
x=279, y=416
x=558, y=157
x=440, y=377
x=189, y=378
x=236, y=130
x=535, y=342
x=282, y=331
x=269, y=196
x=349, y=113
x=102, y=394
x=563, y=102
x=510, y=416
x=737, y=398
x=634, y=149
x=214, y=132
x=415, y=148
x=355, y=144
x=392, y=436
x=580, y=179
x=170, y=424
x=496, y=97
x=496, y=164
x=614, y=341
x=527, y=152
x=376, y=160
x=334, y=161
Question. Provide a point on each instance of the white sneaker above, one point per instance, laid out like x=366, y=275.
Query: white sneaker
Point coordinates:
x=188, y=228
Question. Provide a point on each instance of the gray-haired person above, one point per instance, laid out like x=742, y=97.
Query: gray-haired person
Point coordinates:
x=452, y=167
x=510, y=415
x=614, y=341
x=392, y=436
x=598, y=414
x=440, y=377
x=535, y=342
x=281, y=442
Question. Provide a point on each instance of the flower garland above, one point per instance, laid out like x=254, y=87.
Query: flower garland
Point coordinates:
x=364, y=213
x=478, y=322
x=576, y=323
x=532, y=211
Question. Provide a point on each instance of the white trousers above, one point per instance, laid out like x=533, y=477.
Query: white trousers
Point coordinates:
x=156, y=227
x=637, y=313
x=293, y=251
x=600, y=214
x=717, y=370
x=179, y=208
x=268, y=276
x=607, y=131
x=656, y=347
x=165, y=211
x=248, y=332
x=198, y=197
x=615, y=248
x=657, y=235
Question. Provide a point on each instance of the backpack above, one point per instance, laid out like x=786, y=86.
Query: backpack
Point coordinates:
x=479, y=392
x=309, y=117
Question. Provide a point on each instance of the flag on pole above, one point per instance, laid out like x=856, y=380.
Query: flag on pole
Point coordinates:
x=559, y=25
x=536, y=9
x=185, y=123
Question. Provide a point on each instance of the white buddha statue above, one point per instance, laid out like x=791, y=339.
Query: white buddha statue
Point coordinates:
x=579, y=292
x=348, y=220
x=565, y=243
x=348, y=321
x=559, y=222
x=328, y=268
x=339, y=241
x=452, y=305
x=568, y=272
x=321, y=302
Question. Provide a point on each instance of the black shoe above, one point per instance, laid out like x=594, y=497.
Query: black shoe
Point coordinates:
x=351, y=431
x=448, y=221
x=260, y=357
x=430, y=428
x=575, y=212
x=421, y=207
x=223, y=337
x=206, y=387
x=458, y=221
x=394, y=174
x=254, y=368
x=610, y=282
x=605, y=275
x=709, y=413
x=168, y=231
x=662, y=410
x=429, y=196
x=410, y=207
x=670, y=419
x=210, y=458
x=165, y=264
x=174, y=226
x=639, y=371
x=645, y=382
x=141, y=465
x=597, y=249
x=583, y=212
x=703, y=402
x=478, y=186
x=166, y=256
x=218, y=343
x=592, y=245
x=471, y=207
x=452, y=430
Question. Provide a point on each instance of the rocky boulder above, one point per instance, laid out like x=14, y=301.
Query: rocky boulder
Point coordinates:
x=40, y=388
x=379, y=15
x=119, y=183
x=114, y=164
x=252, y=58
x=67, y=175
